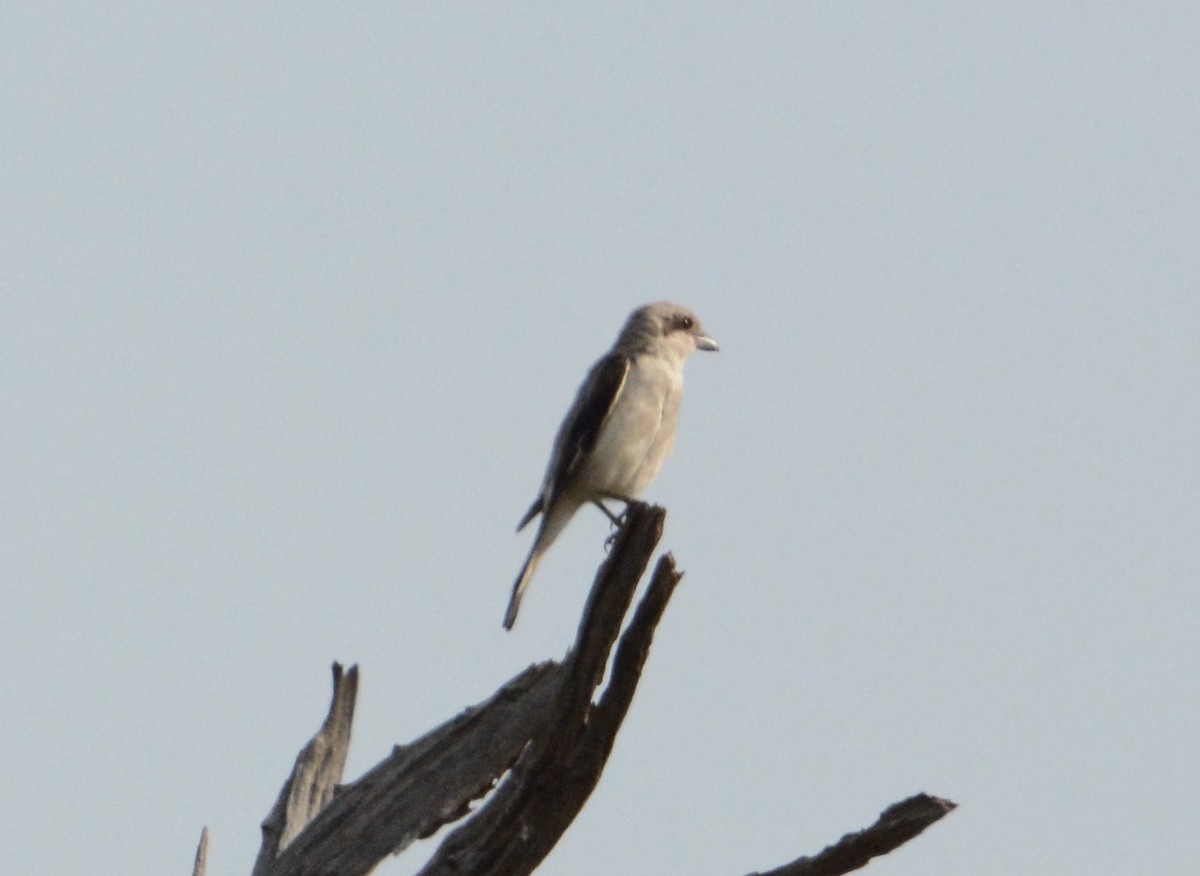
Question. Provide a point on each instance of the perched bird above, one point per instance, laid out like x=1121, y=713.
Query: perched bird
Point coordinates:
x=620, y=428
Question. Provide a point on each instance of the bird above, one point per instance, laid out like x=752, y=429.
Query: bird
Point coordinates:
x=618, y=431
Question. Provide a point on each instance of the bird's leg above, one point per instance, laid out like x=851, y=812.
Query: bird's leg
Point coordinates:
x=612, y=518
x=617, y=521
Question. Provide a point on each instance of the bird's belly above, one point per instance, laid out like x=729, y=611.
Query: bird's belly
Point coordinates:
x=637, y=437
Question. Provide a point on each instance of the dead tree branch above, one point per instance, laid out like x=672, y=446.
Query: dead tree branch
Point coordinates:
x=315, y=776
x=421, y=786
x=548, y=787
x=201, y=854
x=899, y=823
x=546, y=733
x=543, y=713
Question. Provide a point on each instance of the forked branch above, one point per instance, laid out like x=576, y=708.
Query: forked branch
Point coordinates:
x=543, y=738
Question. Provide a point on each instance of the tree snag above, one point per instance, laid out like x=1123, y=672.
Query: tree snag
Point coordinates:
x=535, y=750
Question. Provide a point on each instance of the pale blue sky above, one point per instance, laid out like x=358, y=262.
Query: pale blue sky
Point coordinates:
x=293, y=298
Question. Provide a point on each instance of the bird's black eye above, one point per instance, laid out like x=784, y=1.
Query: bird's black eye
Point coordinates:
x=686, y=322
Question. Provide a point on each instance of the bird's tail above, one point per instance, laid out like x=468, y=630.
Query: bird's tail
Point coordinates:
x=523, y=579
x=553, y=522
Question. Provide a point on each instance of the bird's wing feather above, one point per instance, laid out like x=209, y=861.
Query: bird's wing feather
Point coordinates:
x=583, y=423
x=534, y=510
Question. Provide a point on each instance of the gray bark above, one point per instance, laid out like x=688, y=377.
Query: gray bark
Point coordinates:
x=315, y=776
x=899, y=823
x=535, y=750
x=201, y=854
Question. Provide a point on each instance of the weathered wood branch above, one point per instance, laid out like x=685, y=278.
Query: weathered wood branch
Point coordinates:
x=421, y=786
x=899, y=823
x=201, y=864
x=315, y=776
x=547, y=788
x=433, y=781
x=545, y=737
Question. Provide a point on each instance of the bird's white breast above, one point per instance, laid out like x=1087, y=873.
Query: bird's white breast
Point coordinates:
x=640, y=430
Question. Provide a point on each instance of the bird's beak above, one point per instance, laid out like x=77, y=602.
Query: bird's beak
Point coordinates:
x=704, y=342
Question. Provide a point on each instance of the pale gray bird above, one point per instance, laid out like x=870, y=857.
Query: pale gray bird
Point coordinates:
x=620, y=428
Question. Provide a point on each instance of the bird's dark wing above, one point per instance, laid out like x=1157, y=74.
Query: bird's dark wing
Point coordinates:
x=591, y=409
x=582, y=425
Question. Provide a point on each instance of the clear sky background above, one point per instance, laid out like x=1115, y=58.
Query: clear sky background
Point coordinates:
x=295, y=295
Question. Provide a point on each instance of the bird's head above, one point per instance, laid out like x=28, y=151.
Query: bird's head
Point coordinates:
x=667, y=328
